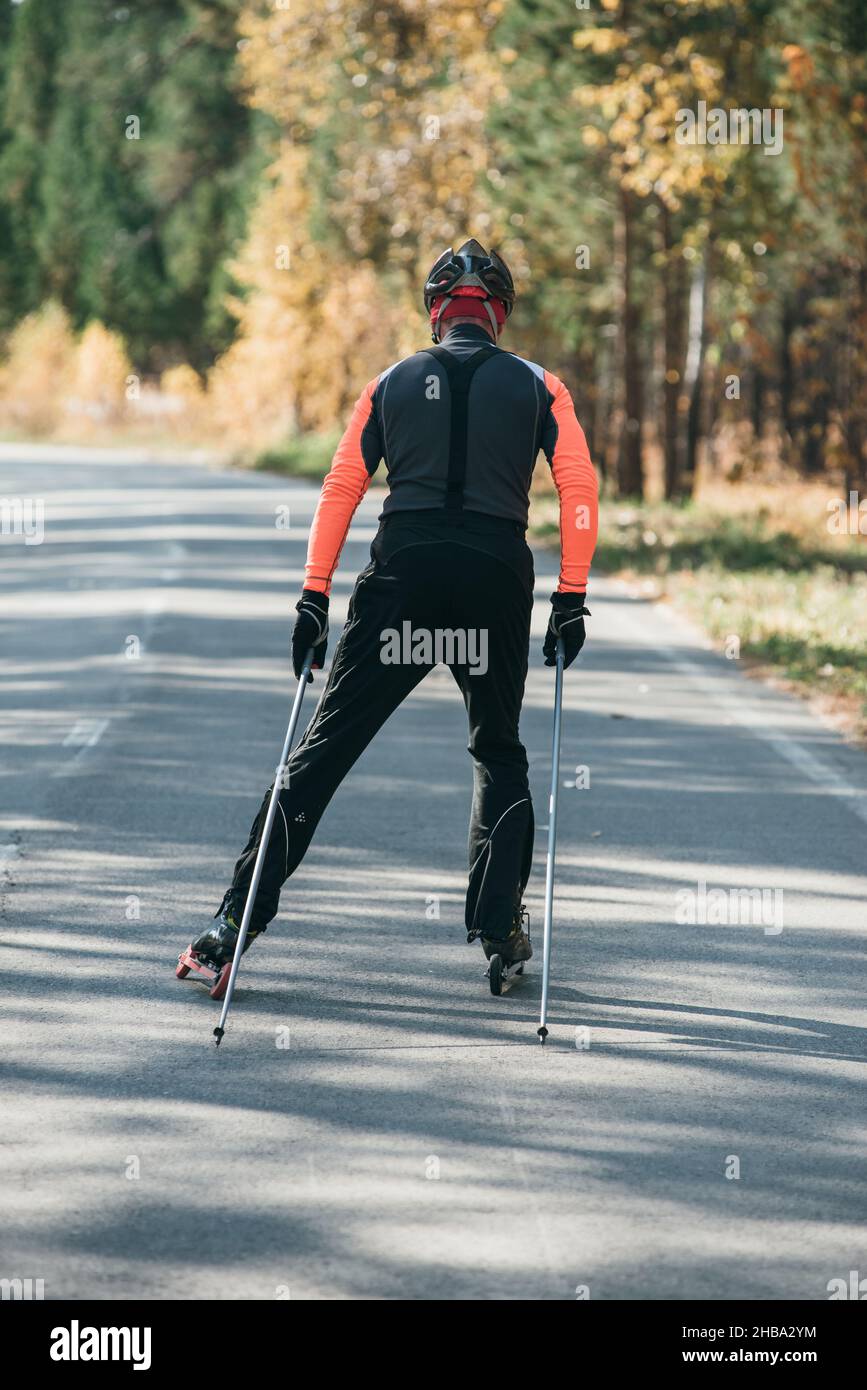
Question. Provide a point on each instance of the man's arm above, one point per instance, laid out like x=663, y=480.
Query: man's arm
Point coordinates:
x=575, y=480
x=354, y=464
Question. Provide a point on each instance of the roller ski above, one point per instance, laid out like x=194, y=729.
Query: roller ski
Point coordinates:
x=506, y=956
x=212, y=954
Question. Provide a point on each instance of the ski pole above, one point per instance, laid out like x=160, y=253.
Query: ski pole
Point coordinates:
x=263, y=845
x=542, y=1030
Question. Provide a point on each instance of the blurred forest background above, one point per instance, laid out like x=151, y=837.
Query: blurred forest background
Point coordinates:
x=215, y=216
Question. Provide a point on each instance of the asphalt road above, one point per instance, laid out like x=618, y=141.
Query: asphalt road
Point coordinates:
x=376, y=1125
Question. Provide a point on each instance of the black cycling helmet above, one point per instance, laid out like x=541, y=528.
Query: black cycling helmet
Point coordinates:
x=470, y=267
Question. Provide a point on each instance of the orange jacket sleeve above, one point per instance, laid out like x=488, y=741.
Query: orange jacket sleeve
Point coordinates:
x=575, y=480
x=354, y=464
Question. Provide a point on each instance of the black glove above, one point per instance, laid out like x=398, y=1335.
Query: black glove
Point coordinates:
x=566, y=621
x=310, y=630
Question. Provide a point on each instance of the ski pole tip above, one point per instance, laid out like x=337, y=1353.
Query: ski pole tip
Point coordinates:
x=543, y=1033
x=218, y=1036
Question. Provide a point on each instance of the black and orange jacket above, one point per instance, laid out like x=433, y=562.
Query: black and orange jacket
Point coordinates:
x=502, y=410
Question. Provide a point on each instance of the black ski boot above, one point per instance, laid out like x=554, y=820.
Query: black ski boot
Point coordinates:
x=506, y=955
x=212, y=953
x=217, y=944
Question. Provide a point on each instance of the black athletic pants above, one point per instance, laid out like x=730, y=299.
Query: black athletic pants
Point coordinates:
x=434, y=586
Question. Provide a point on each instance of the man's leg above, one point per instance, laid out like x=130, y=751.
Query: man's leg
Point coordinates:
x=361, y=692
x=497, y=603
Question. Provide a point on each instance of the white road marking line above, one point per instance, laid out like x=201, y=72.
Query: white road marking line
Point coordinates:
x=83, y=736
x=756, y=720
x=8, y=853
x=176, y=551
x=740, y=710
x=86, y=733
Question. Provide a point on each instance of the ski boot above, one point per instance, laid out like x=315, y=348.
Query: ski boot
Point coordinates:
x=212, y=953
x=506, y=955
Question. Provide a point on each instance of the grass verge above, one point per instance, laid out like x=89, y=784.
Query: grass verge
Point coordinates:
x=762, y=573
x=303, y=456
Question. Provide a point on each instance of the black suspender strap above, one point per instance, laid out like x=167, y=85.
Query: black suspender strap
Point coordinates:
x=459, y=374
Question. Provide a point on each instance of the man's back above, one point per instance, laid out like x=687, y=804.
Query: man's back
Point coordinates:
x=507, y=404
x=459, y=427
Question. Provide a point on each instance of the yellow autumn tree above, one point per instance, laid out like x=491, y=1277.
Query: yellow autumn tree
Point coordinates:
x=183, y=390
x=35, y=377
x=100, y=376
x=380, y=107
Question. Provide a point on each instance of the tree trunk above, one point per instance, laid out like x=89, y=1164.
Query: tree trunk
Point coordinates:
x=672, y=315
x=854, y=396
x=757, y=401
x=692, y=372
x=604, y=404
x=629, y=457
x=787, y=376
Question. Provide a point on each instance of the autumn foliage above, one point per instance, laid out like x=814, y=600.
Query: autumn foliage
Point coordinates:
x=298, y=168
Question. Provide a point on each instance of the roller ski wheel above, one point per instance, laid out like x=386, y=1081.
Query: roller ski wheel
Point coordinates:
x=182, y=970
x=500, y=974
x=507, y=956
x=220, y=985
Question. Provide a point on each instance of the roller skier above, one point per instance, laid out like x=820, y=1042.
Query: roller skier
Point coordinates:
x=459, y=426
